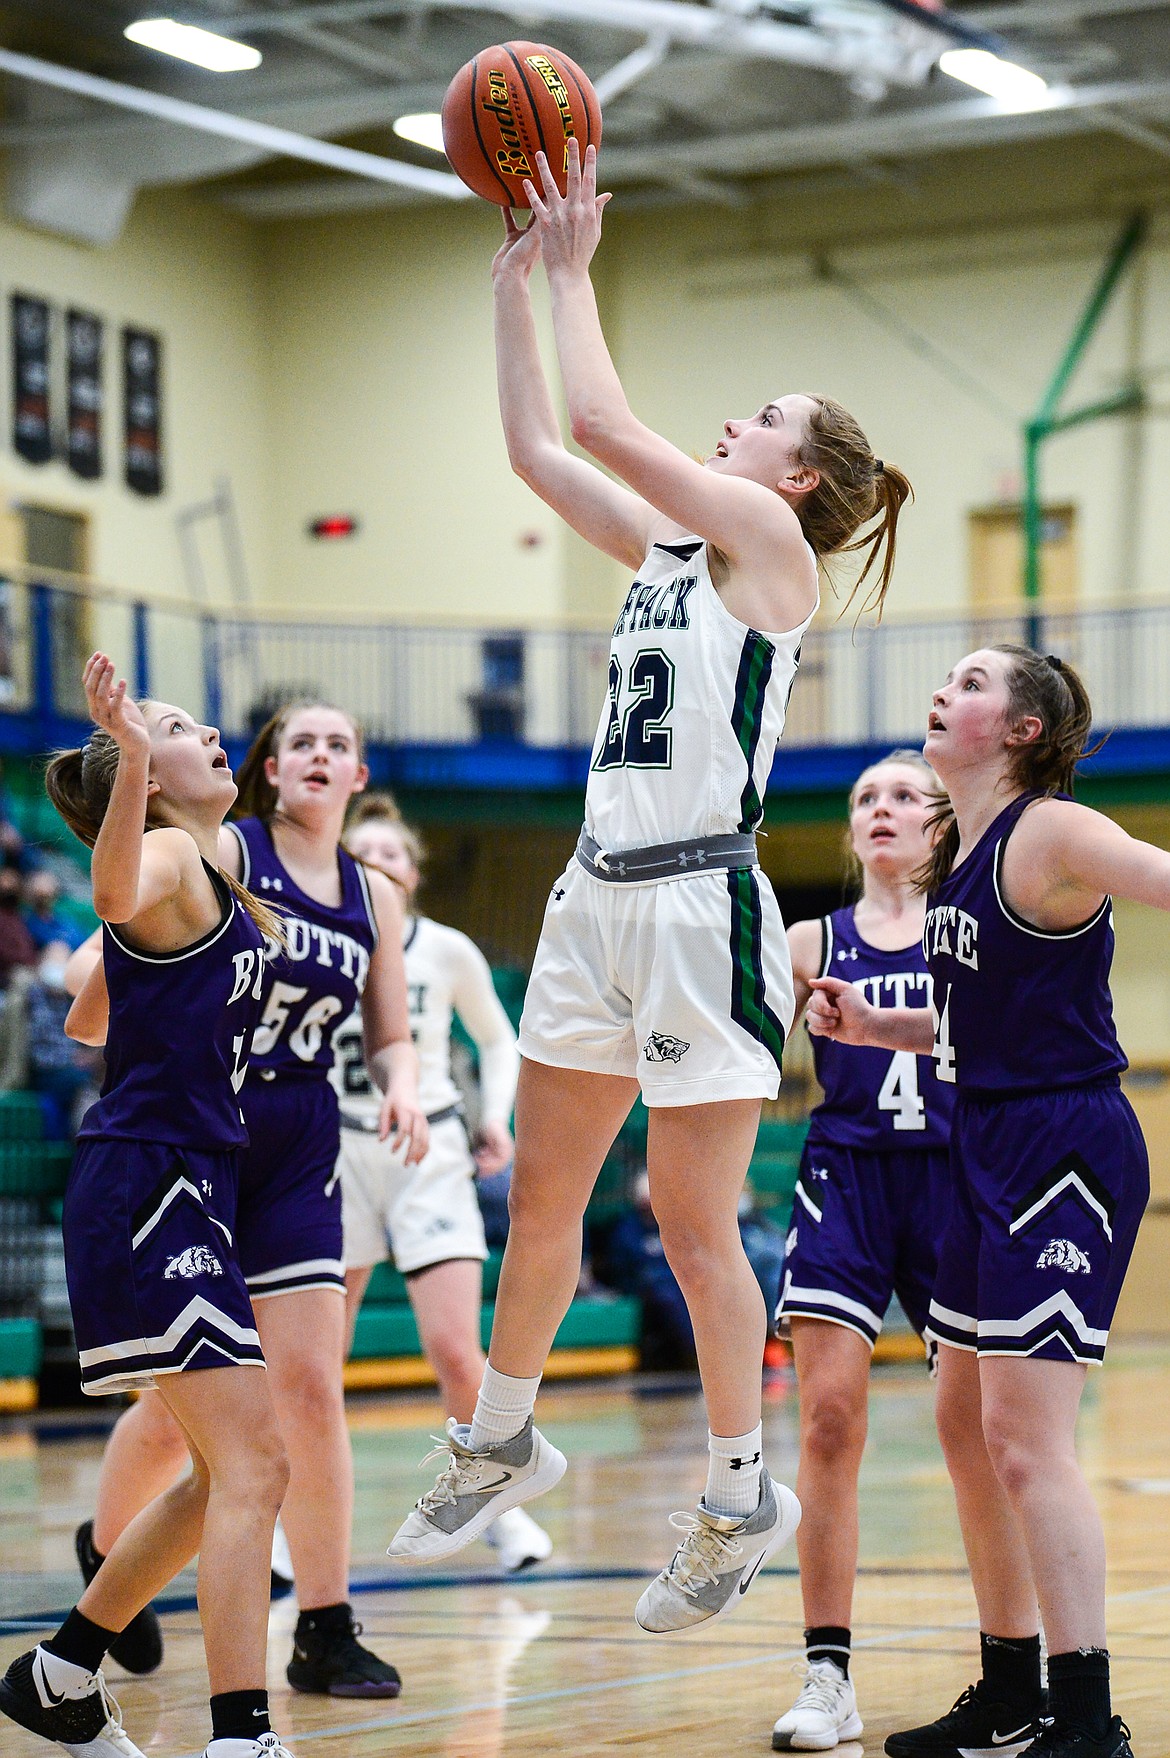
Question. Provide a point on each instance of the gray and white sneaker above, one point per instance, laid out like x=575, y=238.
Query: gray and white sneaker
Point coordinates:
x=474, y=1489
x=824, y=1713
x=717, y=1561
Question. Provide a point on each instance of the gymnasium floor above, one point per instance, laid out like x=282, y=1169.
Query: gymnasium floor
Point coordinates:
x=553, y=1661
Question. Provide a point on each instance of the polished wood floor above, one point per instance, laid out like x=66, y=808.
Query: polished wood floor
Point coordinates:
x=553, y=1662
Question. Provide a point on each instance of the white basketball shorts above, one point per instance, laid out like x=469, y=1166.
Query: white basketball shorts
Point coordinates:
x=418, y=1215
x=684, y=984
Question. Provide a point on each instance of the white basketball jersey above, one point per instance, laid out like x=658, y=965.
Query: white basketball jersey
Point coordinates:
x=445, y=973
x=696, y=708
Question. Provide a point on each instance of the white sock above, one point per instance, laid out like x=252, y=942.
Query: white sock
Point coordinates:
x=733, y=1473
x=502, y=1408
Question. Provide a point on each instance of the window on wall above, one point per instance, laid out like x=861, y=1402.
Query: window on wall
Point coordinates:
x=995, y=548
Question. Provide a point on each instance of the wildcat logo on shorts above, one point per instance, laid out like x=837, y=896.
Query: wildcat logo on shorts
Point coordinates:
x=197, y=1260
x=1062, y=1254
x=661, y=1048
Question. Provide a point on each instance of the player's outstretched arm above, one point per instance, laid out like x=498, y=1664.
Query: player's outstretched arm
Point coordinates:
x=129, y=879
x=1063, y=859
x=389, y=1050
x=601, y=511
x=749, y=524
x=804, y=948
x=479, y=1007
x=837, y=1010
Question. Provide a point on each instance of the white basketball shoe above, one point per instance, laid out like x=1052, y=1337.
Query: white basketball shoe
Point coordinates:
x=518, y=1541
x=474, y=1489
x=717, y=1561
x=823, y=1714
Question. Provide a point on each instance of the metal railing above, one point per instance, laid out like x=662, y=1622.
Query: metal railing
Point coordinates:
x=453, y=685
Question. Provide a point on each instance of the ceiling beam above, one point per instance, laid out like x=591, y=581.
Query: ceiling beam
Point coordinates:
x=279, y=142
x=845, y=42
x=906, y=134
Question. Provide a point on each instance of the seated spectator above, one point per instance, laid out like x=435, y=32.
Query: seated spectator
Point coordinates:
x=65, y=1073
x=17, y=948
x=42, y=912
x=13, y=849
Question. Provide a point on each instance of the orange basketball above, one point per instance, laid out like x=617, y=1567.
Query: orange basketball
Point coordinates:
x=508, y=104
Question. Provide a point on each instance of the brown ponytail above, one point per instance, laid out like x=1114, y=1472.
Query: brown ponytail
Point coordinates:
x=257, y=797
x=855, y=488
x=79, y=784
x=1046, y=688
x=383, y=808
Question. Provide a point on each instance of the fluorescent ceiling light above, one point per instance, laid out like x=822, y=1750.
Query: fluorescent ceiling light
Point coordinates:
x=1015, y=87
x=188, y=43
x=425, y=129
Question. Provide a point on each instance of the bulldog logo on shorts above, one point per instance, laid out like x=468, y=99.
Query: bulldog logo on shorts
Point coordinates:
x=197, y=1260
x=1062, y=1254
x=661, y=1048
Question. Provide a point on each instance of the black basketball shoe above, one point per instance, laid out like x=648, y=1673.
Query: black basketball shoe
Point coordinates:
x=329, y=1661
x=139, y=1647
x=62, y=1703
x=977, y=1723
x=1054, y=1742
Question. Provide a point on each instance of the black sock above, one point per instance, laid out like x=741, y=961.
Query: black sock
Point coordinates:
x=240, y=1715
x=325, y=1620
x=828, y=1642
x=1011, y=1669
x=1078, y=1691
x=80, y=1641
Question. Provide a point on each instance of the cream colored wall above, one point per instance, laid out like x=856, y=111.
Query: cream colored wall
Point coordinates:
x=382, y=404
x=191, y=271
x=383, y=400
x=345, y=365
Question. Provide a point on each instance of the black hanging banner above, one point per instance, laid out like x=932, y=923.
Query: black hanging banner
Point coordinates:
x=83, y=334
x=31, y=436
x=142, y=374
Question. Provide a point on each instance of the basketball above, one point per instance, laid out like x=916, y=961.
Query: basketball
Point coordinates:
x=509, y=103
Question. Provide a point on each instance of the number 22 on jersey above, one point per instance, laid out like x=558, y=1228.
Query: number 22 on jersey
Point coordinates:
x=637, y=736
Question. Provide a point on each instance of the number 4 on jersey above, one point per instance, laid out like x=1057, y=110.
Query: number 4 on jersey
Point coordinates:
x=899, y=1092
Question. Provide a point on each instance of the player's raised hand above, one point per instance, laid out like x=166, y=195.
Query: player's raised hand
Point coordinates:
x=569, y=225
x=110, y=707
x=520, y=251
x=839, y=1011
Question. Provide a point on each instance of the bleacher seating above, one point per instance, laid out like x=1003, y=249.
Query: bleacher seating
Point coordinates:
x=33, y=1173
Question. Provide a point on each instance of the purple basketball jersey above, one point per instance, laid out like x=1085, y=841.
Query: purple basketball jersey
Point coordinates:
x=1019, y=1009
x=316, y=984
x=876, y=1100
x=180, y=1027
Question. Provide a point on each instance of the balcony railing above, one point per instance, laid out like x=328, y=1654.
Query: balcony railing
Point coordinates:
x=538, y=689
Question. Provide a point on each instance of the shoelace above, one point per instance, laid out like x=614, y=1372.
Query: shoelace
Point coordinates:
x=1051, y=1744
x=821, y=1690
x=113, y=1728
x=695, y=1562
x=459, y=1475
